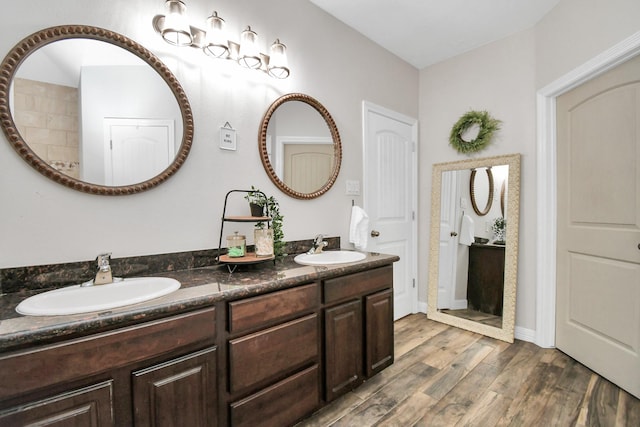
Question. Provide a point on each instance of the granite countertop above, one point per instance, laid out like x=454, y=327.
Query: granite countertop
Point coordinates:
x=201, y=287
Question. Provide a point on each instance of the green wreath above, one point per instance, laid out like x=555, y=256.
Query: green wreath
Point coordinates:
x=487, y=124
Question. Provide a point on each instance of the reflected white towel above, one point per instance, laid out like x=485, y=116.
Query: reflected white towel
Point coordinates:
x=359, y=227
x=466, y=231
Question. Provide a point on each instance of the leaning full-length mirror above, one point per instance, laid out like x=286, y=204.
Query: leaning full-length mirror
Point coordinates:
x=300, y=146
x=94, y=110
x=473, y=259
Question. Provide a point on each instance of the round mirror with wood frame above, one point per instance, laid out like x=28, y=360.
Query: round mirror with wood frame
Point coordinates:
x=266, y=139
x=31, y=44
x=472, y=192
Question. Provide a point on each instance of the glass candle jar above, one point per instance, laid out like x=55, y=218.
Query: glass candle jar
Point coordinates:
x=237, y=245
x=263, y=241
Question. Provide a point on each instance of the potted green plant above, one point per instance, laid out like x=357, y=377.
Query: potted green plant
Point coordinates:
x=271, y=207
x=499, y=229
x=257, y=201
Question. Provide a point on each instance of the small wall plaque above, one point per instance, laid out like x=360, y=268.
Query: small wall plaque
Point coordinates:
x=227, y=137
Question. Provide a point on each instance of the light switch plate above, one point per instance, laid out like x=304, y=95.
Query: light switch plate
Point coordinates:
x=353, y=188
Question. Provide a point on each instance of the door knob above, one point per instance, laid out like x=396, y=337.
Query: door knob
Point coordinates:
x=453, y=234
x=375, y=233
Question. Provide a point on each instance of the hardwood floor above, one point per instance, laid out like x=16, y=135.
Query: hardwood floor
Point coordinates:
x=444, y=376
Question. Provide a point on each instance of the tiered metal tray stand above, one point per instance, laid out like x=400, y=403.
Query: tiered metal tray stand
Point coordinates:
x=250, y=257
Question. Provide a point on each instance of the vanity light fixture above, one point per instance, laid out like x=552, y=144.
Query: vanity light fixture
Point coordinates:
x=216, y=44
x=175, y=29
x=249, y=56
x=278, y=66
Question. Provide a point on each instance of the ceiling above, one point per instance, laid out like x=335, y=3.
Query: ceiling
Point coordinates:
x=424, y=32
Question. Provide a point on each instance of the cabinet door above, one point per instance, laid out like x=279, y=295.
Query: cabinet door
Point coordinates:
x=181, y=392
x=486, y=278
x=89, y=406
x=379, y=331
x=343, y=348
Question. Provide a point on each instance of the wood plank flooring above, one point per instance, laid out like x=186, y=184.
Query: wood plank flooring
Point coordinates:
x=444, y=376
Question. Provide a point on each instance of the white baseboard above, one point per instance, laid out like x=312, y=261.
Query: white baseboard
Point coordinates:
x=459, y=304
x=525, y=334
x=422, y=307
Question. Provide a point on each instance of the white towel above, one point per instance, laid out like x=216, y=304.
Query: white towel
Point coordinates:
x=359, y=227
x=466, y=231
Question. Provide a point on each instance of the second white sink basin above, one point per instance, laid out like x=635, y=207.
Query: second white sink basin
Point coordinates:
x=78, y=299
x=329, y=257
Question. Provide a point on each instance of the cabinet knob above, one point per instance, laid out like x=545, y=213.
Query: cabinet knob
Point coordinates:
x=453, y=234
x=375, y=233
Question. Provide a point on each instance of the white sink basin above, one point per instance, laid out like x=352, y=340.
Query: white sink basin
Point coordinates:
x=329, y=257
x=77, y=299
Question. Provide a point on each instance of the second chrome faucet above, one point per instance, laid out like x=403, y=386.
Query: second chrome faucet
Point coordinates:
x=318, y=245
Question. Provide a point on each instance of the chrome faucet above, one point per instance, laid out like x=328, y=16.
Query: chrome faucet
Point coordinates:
x=103, y=275
x=318, y=245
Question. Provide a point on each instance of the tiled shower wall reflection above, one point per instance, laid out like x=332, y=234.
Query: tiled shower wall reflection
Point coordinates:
x=46, y=115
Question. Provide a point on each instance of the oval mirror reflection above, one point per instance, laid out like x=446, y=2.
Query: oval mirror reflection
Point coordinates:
x=302, y=149
x=96, y=112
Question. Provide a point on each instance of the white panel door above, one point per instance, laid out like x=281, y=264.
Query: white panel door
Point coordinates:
x=598, y=258
x=448, y=240
x=307, y=167
x=390, y=197
x=137, y=149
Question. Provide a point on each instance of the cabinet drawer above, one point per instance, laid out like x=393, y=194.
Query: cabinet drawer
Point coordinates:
x=282, y=404
x=357, y=284
x=272, y=353
x=29, y=370
x=268, y=309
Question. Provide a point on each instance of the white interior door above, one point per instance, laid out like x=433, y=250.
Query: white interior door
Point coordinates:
x=390, y=196
x=448, y=241
x=598, y=249
x=137, y=149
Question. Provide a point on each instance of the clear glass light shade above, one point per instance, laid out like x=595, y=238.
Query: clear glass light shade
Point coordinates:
x=216, y=43
x=249, y=55
x=176, y=30
x=278, y=65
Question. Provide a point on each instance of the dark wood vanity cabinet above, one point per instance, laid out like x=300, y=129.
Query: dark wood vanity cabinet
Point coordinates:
x=358, y=323
x=267, y=360
x=485, y=285
x=149, y=374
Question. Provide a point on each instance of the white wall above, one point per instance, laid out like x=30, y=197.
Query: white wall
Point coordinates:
x=577, y=30
x=44, y=222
